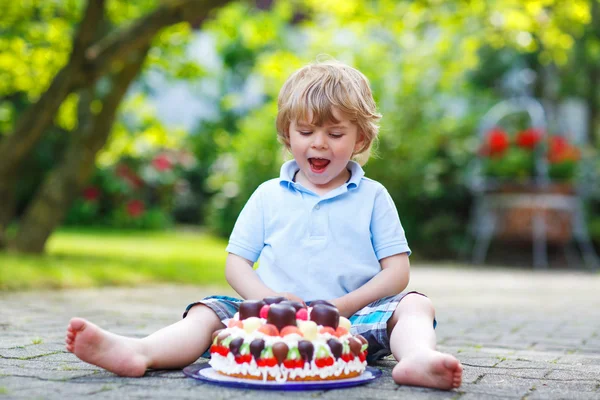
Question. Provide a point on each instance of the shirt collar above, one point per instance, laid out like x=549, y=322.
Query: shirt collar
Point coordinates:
x=289, y=169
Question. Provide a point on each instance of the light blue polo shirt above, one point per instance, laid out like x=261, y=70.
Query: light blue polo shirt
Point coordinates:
x=318, y=247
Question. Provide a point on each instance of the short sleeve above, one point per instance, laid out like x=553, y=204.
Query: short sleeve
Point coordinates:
x=247, y=238
x=387, y=233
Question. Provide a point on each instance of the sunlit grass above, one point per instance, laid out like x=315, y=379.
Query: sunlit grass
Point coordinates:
x=88, y=257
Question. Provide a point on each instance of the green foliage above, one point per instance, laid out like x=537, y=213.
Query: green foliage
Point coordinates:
x=432, y=66
x=95, y=257
x=516, y=164
x=135, y=193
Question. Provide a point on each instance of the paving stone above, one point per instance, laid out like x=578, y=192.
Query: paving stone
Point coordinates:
x=519, y=334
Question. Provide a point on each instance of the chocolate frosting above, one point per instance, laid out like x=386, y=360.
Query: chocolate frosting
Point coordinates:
x=296, y=304
x=281, y=315
x=315, y=302
x=325, y=315
x=250, y=308
x=273, y=299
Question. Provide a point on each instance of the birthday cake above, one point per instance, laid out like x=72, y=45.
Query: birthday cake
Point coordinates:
x=282, y=340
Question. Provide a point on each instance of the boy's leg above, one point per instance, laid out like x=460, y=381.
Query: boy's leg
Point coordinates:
x=174, y=346
x=412, y=341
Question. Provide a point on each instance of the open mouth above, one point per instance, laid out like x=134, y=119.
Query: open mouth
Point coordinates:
x=318, y=165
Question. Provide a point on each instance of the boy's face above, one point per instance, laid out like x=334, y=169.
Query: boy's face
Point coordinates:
x=322, y=152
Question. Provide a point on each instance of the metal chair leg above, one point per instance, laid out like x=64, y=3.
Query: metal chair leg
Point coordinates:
x=540, y=248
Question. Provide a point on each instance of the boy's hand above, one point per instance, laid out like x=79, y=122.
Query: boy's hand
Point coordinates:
x=291, y=296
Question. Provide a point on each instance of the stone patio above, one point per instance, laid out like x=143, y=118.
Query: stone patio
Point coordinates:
x=519, y=334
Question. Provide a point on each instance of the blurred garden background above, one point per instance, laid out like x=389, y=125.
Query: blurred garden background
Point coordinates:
x=132, y=132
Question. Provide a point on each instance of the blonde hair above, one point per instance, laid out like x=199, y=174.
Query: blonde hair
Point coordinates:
x=316, y=89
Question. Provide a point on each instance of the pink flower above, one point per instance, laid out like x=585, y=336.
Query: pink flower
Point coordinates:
x=129, y=176
x=135, y=208
x=162, y=163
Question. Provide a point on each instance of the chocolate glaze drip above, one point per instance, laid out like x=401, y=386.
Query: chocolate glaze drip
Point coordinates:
x=336, y=347
x=355, y=345
x=361, y=338
x=306, y=349
x=235, y=345
x=256, y=347
x=280, y=351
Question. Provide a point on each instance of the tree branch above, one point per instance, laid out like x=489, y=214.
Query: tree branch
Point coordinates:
x=115, y=46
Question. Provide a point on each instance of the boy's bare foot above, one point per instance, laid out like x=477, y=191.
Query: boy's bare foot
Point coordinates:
x=104, y=349
x=429, y=368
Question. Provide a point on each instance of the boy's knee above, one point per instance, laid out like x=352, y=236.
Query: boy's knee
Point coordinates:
x=204, y=313
x=412, y=303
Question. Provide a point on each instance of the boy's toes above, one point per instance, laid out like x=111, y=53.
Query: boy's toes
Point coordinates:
x=76, y=325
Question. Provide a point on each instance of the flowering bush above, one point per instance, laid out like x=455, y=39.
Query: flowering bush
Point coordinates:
x=514, y=158
x=135, y=192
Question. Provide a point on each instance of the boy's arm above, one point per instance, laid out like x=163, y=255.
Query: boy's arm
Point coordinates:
x=244, y=280
x=392, y=279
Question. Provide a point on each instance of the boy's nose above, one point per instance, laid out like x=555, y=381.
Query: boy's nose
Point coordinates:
x=319, y=142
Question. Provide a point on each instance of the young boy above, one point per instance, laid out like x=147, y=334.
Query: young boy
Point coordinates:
x=322, y=231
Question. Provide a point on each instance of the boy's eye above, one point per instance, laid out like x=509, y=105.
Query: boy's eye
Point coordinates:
x=336, y=135
x=305, y=132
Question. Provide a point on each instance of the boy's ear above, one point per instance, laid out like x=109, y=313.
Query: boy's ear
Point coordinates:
x=359, y=142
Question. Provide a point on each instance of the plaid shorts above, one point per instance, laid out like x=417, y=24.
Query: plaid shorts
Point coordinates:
x=370, y=321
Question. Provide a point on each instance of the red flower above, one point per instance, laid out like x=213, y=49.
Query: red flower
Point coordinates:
x=129, y=176
x=91, y=193
x=135, y=208
x=162, y=163
x=496, y=143
x=529, y=138
x=560, y=150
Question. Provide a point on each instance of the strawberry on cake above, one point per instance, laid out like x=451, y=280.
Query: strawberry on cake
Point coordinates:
x=282, y=340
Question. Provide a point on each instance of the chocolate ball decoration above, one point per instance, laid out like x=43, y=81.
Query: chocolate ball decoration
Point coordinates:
x=336, y=347
x=273, y=299
x=306, y=350
x=355, y=345
x=250, y=308
x=362, y=339
x=235, y=345
x=325, y=315
x=314, y=303
x=281, y=315
x=280, y=351
x=256, y=347
x=296, y=304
